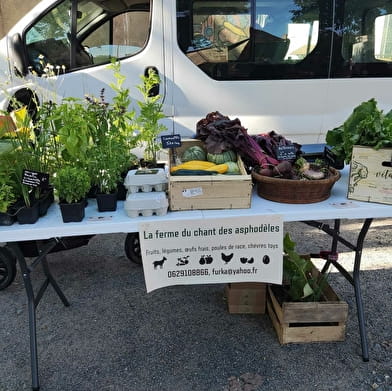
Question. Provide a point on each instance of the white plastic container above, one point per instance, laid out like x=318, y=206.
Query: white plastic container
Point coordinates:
x=146, y=204
x=146, y=180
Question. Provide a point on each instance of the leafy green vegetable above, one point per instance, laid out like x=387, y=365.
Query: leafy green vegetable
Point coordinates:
x=366, y=126
x=297, y=271
x=233, y=168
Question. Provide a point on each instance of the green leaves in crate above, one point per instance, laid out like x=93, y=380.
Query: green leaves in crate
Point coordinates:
x=366, y=126
x=297, y=271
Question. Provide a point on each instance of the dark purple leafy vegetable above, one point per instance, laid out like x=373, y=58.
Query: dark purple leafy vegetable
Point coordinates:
x=219, y=134
x=270, y=142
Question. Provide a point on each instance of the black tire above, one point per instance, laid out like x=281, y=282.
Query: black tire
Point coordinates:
x=132, y=248
x=7, y=268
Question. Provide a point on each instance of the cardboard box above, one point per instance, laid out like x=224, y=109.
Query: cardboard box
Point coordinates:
x=301, y=322
x=371, y=175
x=246, y=297
x=210, y=55
x=209, y=192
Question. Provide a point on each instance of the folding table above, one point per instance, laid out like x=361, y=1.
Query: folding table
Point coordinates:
x=335, y=208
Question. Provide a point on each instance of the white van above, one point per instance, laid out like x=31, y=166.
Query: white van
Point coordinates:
x=296, y=67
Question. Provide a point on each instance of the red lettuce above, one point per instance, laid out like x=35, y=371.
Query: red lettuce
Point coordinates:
x=219, y=134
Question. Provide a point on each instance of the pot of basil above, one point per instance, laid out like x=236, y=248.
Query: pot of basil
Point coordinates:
x=72, y=185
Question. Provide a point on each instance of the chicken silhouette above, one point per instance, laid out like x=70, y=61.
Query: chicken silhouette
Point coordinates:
x=227, y=258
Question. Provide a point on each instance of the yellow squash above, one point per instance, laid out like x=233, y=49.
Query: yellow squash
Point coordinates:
x=193, y=165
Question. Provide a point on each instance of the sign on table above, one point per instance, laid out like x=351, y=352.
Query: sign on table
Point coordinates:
x=212, y=251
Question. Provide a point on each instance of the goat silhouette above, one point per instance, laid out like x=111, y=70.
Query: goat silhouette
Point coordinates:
x=159, y=263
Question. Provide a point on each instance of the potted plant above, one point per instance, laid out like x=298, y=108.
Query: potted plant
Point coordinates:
x=113, y=136
x=305, y=308
x=72, y=185
x=106, y=178
x=150, y=114
x=31, y=154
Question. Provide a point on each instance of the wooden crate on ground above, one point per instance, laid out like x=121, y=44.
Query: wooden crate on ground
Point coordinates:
x=209, y=192
x=246, y=297
x=300, y=322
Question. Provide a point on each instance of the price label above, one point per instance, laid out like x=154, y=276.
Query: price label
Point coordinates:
x=171, y=141
x=286, y=152
x=35, y=178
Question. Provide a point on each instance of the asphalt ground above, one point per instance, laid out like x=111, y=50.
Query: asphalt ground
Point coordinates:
x=115, y=336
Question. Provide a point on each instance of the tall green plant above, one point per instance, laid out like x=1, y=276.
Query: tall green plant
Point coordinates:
x=26, y=153
x=73, y=130
x=150, y=115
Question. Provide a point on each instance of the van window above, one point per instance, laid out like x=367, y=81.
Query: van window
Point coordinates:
x=255, y=39
x=102, y=32
x=366, y=39
x=122, y=36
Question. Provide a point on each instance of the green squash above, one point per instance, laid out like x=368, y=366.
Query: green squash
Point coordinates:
x=220, y=158
x=233, y=168
x=194, y=153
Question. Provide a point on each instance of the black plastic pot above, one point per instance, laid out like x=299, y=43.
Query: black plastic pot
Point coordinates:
x=28, y=214
x=46, y=199
x=7, y=218
x=74, y=212
x=106, y=202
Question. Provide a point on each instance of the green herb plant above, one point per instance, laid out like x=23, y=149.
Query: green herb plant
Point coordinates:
x=150, y=115
x=7, y=196
x=302, y=286
x=366, y=126
x=72, y=128
x=71, y=184
x=26, y=154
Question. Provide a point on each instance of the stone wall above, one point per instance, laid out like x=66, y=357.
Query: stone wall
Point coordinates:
x=11, y=11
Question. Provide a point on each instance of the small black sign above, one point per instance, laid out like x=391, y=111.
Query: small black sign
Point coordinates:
x=35, y=178
x=171, y=141
x=286, y=152
x=332, y=160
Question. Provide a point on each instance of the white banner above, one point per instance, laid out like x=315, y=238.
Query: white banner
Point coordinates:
x=212, y=251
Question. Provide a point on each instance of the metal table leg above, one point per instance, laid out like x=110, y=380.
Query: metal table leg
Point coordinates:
x=354, y=279
x=33, y=300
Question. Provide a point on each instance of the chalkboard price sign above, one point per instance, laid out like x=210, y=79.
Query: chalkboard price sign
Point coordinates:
x=286, y=152
x=35, y=179
x=332, y=159
x=171, y=141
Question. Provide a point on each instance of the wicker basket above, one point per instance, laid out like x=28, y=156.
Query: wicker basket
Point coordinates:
x=292, y=191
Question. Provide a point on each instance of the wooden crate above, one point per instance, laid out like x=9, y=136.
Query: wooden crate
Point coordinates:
x=246, y=297
x=298, y=322
x=209, y=192
x=371, y=175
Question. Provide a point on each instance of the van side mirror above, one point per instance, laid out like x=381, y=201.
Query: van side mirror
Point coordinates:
x=18, y=56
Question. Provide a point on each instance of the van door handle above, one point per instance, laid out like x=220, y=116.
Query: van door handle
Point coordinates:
x=154, y=90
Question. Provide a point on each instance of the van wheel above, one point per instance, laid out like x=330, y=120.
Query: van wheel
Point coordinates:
x=7, y=268
x=132, y=248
